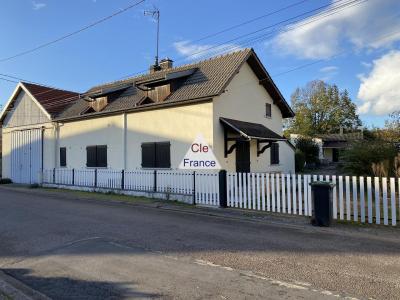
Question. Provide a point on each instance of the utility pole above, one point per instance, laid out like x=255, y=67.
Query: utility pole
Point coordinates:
x=155, y=14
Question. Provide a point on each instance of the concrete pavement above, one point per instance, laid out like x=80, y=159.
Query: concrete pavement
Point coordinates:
x=68, y=248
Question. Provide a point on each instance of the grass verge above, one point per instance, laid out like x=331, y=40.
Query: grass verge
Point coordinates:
x=115, y=197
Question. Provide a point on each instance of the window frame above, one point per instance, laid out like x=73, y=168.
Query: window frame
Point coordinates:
x=63, y=157
x=96, y=149
x=268, y=106
x=154, y=160
x=274, y=154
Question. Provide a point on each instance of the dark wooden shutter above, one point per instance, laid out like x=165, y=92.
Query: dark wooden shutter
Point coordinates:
x=163, y=155
x=268, y=110
x=63, y=157
x=91, y=156
x=148, y=155
x=101, y=156
x=274, y=154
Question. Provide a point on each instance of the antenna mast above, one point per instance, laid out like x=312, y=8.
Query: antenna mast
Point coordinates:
x=155, y=14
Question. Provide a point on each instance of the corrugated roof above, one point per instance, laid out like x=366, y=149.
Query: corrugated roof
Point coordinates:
x=209, y=79
x=341, y=137
x=252, y=130
x=53, y=100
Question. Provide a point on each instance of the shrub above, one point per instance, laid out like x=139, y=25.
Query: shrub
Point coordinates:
x=310, y=150
x=5, y=181
x=300, y=161
x=375, y=158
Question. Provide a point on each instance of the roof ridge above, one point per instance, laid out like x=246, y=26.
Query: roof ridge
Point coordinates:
x=138, y=76
x=48, y=87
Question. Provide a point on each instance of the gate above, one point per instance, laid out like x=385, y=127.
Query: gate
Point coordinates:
x=26, y=156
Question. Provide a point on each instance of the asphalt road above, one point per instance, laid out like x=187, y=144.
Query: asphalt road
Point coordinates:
x=69, y=249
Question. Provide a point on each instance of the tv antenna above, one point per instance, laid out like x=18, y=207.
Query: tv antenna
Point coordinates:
x=155, y=14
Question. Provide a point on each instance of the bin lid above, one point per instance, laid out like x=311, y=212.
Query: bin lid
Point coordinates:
x=322, y=183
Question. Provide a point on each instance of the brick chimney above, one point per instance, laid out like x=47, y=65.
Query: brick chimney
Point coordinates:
x=166, y=63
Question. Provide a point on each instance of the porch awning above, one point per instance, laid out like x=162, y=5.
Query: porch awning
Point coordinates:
x=251, y=130
x=335, y=144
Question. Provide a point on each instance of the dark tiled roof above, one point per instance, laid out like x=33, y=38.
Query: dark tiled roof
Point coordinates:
x=351, y=136
x=209, y=79
x=252, y=130
x=53, y=100
x=335, y=144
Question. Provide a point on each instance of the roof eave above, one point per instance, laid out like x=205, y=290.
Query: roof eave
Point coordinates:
x=135, y=109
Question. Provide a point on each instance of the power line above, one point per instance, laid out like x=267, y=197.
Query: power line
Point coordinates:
x=257, y=39
x=353, y=2
x=248, y=21
x=294, y=20
x=73, y=33
x=321, y=15
x=278, y=74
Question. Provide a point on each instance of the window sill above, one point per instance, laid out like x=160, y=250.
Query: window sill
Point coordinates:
x=91, y=168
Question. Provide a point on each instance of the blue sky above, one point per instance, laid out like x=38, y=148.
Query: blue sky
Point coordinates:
x=357, y=47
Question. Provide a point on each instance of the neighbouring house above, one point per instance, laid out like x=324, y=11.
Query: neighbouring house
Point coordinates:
x=330, y=145
x=150, y=121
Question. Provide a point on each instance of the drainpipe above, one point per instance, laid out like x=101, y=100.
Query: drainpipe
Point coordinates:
x=56, y=143
x=125, y=137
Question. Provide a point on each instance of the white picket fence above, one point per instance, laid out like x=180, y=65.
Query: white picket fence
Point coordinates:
x=358, y=199
x=202, y=185
x=207, y=188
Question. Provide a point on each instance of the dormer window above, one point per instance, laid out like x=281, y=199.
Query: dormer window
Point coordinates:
x=98, y=104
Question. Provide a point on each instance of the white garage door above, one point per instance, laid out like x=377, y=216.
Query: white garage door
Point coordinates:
x=26, y=156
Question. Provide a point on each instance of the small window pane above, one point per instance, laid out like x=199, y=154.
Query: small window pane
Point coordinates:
x=63, y=157
x=268, y=110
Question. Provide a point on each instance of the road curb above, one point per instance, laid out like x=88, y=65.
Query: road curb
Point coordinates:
x=16, y=290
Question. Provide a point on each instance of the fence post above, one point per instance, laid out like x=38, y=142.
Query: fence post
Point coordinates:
x=222, y=189
x=122, y=179
x=73, y=176
x=155, y=181
x=194, y=187
x=54, y=175
x=95, y=177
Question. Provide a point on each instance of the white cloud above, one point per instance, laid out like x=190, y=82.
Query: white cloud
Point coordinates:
x=369, y=25
x=328, y=72
x=195, y=51
x=380, y=89
x=329, y=69
x=38, y=5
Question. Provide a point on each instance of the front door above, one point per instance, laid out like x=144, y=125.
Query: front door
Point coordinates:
x=335, y=155
x=243, y=156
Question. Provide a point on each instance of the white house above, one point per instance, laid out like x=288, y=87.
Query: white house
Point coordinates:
x=150, y=121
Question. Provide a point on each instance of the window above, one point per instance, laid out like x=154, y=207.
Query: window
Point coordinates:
x=63, y=157
x=274, y=154
x=96, y=156
x=268, y=110
x=156, y=155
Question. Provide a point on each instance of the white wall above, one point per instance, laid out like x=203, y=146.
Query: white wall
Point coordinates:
x=178, y=125
x=76, y=136
x=244, y=100
x=25, y=112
